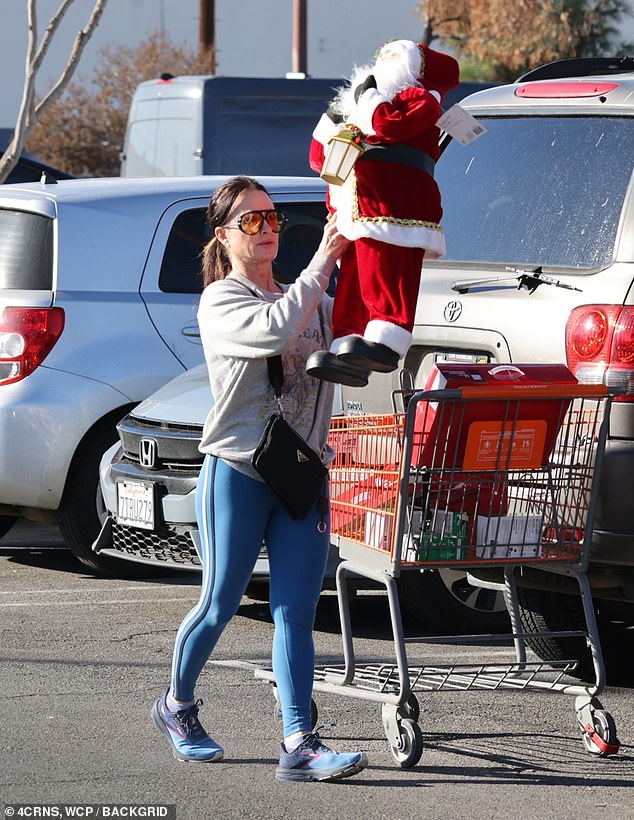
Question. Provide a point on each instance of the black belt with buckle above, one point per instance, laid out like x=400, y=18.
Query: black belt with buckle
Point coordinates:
x=401, y=154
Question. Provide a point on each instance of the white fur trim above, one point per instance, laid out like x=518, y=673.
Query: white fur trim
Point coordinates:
x=335, y=347
x=436, y=95
x=325, y=129
x=425, y=235
x=368, y=102
x=404, y=236
x=392, y=336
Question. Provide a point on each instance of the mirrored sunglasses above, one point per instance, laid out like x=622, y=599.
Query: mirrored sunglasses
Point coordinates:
x=251, y=222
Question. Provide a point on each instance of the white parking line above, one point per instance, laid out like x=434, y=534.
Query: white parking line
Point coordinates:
x=54, y=591
x=95, y=603
x=86, y=597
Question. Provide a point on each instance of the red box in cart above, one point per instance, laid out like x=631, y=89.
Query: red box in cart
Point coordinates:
x=473, y=444
x=460, y=439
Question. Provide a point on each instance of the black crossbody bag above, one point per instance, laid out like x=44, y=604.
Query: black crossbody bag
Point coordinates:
x=291, y=468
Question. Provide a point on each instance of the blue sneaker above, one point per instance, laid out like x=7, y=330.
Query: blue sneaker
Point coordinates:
x=313, y=760
x=186, y=736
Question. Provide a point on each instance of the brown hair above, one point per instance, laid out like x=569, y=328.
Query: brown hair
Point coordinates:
x=215, y=259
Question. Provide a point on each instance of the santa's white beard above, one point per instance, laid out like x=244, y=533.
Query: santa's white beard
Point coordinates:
x=392, y=76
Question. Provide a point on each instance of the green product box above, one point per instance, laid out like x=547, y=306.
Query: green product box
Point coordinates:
x=444, y=537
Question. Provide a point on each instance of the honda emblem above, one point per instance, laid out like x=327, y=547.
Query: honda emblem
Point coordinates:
x=148, y=450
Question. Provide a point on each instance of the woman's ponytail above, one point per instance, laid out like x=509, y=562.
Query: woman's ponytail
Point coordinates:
x=215, y=262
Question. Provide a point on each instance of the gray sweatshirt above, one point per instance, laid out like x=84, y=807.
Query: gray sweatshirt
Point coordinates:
x=240, y=326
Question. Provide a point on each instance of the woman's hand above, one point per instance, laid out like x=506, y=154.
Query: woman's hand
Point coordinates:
x=332, y=242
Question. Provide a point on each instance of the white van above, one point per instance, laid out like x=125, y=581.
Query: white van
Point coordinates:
x=181, y=126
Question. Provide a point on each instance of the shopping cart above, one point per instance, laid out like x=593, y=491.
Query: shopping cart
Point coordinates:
x=498, y=476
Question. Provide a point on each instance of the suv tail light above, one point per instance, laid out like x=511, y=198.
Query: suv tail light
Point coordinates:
x=600, y=346
x=27, y=336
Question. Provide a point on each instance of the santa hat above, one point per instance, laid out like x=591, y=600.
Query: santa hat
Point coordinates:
x=438, y=72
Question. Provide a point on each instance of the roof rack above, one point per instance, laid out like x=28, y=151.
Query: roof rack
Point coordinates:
x=578, y=67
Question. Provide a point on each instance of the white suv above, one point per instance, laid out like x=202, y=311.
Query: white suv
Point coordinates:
x=99, y=288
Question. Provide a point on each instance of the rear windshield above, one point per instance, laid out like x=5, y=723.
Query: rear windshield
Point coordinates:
x=537, y=191
x=26, y=251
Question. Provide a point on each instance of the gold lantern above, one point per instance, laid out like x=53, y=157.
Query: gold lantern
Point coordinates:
x=343, y=151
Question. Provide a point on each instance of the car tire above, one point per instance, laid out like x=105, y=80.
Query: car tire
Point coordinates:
x=444, y=601
x=6, y=522
x=82, y=511
x=549, y=611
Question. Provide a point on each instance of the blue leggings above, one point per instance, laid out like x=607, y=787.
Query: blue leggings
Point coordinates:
x=235, y=513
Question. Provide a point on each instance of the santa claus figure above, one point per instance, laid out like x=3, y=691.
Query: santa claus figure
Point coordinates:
x=389, y=206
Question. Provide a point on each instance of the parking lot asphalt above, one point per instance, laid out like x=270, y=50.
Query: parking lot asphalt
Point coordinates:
x=84, y=657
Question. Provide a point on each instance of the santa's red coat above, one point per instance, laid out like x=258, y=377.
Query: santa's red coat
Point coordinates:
x=388, y=201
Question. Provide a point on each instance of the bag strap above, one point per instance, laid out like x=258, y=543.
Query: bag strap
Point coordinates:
x=276, y=375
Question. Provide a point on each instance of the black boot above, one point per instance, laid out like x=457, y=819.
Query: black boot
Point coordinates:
x=330, y=368
x=368, y=355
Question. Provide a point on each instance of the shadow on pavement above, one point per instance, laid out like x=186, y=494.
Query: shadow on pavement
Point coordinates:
x=60, y=559
x=57, y=559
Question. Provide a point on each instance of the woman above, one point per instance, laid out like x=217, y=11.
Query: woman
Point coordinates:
x=245, y=316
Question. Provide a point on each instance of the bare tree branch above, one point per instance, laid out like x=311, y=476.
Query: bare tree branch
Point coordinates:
x=52, y=27
x=83, y=36
x=28, y=113
x=14, y=149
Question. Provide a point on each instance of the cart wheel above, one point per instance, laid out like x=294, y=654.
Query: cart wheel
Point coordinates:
x=411, y=708
x=410, y=747
x=601, y=739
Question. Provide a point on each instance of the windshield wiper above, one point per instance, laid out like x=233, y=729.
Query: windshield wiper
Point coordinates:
x=529, y=280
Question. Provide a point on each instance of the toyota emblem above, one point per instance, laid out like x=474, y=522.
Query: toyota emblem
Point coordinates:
x=452, y=311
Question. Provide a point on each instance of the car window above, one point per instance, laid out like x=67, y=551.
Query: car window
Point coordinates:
x=181, y=268
x=537, y=191
x=26, y=251
x=300, y=238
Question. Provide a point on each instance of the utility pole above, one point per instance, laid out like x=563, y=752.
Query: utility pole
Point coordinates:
x=300, y=62
x=207, y=30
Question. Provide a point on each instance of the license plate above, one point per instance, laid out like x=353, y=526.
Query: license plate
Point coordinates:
x=135, y=504
x=461, y=358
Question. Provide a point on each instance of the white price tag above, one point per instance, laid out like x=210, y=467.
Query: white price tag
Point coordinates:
x=460, y=125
